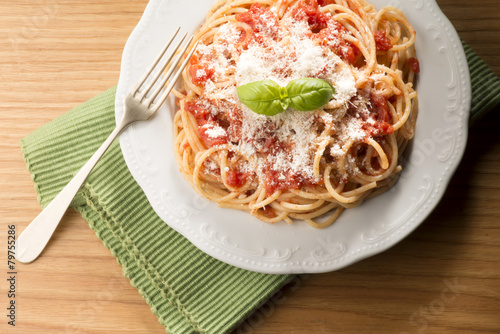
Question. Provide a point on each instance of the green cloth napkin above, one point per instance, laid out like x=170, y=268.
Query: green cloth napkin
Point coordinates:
x=485, y=86
x=186, y=289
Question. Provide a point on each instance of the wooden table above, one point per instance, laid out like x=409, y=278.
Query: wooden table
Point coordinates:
x=443, y=278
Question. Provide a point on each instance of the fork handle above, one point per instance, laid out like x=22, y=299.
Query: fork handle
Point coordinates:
x=38, y=233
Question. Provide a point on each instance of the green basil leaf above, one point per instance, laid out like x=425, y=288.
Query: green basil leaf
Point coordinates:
x=263, y=97
x=309, y=93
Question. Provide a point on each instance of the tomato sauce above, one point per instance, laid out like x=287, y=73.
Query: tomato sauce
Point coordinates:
x=274, y=180
x=380, y=108
x=235, y=178
x=332, y=37
x=206, y=122
x=381, y=114
x=198, y=111
x=262, y=22
x=323, y=3
x=309, y=12
x=200, y=72
x=283, y=180
x=382, y=42
x=325, y=31
x=253, y=17
x=414, y=64
x=208, y=139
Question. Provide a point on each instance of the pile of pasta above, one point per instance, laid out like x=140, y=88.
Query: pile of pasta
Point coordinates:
x=358, y=142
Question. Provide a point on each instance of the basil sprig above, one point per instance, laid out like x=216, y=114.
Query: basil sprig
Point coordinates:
x=266, y=97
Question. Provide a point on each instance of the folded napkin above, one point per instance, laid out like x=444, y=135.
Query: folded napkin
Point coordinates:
x=186, y=289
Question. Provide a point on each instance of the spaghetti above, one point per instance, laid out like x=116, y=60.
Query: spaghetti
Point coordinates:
x=297, y=165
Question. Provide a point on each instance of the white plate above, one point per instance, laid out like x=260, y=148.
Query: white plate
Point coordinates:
x=241, y=240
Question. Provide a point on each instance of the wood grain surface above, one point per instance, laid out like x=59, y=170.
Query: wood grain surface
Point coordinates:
x=443, y=278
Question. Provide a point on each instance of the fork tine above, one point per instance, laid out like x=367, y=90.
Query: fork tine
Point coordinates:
x=159, y=73
x=176, y=75
x=167, y=75
x=150, y=69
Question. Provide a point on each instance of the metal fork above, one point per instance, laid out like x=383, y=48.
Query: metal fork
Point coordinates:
x=141, y=104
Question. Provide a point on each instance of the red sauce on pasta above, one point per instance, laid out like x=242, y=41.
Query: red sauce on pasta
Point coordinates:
x=200, y=72
x=309, y=12
x=381, y=115
x=210, y=128
x=236, y=178
x=382, y=42
x=414, y=64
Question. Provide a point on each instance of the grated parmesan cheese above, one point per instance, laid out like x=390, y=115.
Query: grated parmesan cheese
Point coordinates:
x=292, y=55
x=213, y=130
